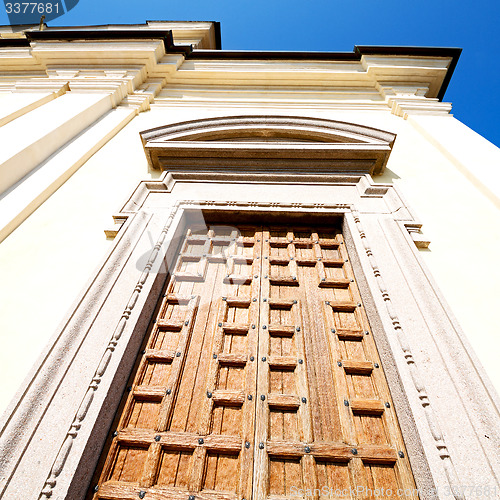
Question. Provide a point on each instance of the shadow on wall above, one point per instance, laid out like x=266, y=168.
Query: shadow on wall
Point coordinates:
x=387, y=177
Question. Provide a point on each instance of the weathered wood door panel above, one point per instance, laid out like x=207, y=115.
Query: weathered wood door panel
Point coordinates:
x=325, y=427
x=260, y=379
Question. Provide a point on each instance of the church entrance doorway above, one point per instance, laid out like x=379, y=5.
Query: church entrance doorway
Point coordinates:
x=259, y=379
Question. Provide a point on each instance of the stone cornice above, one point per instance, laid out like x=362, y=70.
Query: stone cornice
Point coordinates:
x=152, y=50
x=411, y=99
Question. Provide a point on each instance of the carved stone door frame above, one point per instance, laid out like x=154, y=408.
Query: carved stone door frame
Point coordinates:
x=64, y=411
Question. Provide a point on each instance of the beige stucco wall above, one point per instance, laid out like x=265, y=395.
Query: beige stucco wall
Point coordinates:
x=50, y=257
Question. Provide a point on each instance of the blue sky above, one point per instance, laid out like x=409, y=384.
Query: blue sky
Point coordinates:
x=337, y=26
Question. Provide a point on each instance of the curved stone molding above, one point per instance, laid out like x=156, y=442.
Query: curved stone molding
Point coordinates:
x=265, y=126
x=249, y=142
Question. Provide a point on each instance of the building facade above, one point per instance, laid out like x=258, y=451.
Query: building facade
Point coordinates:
x=215, y=282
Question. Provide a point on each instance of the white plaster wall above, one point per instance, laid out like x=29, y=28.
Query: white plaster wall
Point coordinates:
x=455, y=202
x=472, y=155
x=33, y=137
x=48, y=259
x=13, y=105
x=31, y=191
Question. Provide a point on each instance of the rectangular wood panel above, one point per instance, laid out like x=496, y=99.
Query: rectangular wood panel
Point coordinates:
x=259, y=379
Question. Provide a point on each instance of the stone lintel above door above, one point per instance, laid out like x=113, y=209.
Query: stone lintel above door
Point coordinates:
x=282, y=145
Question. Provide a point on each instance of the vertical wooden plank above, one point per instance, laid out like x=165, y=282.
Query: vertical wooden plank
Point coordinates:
x=373, y=429
x=199, y=412
x=308, y=463
x=330, y=240
x=207, y=373
x=188, y=391
x=181, y=352
x=324, y=396
x=247, y=461
x=219, y=469
x=261, y=461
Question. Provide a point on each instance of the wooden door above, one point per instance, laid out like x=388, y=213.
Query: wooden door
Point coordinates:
x=260, y=380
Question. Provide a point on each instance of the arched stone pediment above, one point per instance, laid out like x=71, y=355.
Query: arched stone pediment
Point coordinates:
x=278, y=143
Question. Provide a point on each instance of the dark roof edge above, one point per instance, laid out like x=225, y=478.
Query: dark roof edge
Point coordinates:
x=165, y=35
x=218, y=38
x=355, y=55
x=449, y=74
x=406, y=50
x=63, y=33
x=33, y=36
x=14, y=42
x=453, y=52
x=272, y=55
